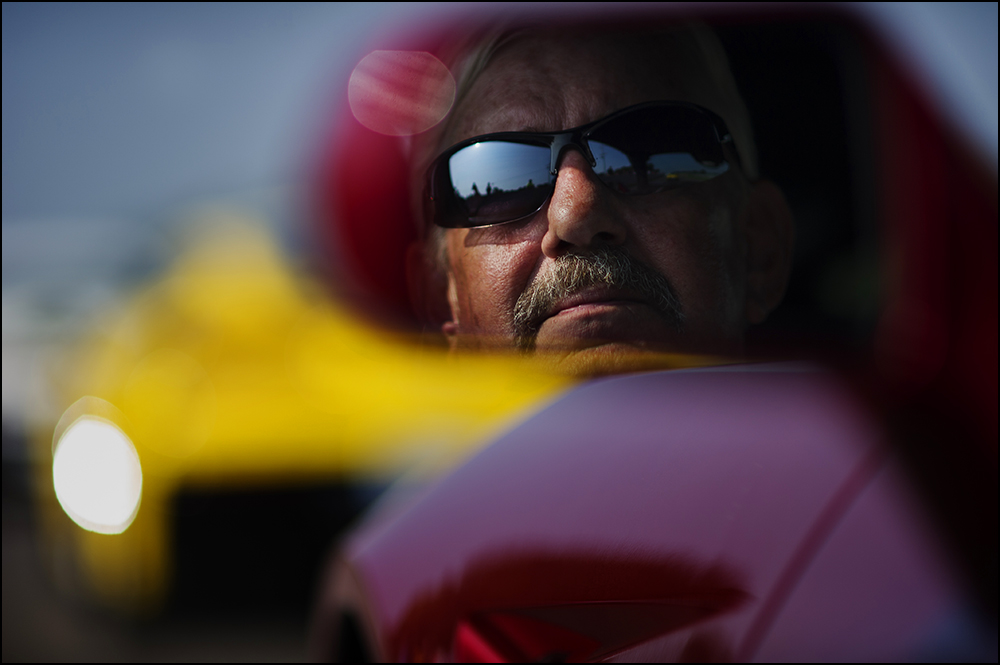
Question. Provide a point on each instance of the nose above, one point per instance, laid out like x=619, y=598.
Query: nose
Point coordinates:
x=581, y=211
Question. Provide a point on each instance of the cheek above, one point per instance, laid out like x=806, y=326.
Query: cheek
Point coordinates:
x=688, y=238
x=490, y=275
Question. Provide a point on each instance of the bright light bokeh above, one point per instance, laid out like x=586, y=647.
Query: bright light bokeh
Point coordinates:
x=400, y=93
x=97, y=475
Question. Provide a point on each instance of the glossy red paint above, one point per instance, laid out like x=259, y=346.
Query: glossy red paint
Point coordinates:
x=932, y=373
x=880, y=588
x=824, y=519
x=530, y=605
x=369, y=188
x=361, y=203
x=679, y=510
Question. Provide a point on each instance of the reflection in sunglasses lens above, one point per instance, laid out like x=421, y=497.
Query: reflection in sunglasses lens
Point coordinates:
x=668, y=168
x=499, y=182
x=639, y=152
x=650, y=149
x=614, y=168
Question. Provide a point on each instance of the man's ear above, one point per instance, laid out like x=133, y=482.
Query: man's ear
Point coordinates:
x=428, y=287
x=770, y=239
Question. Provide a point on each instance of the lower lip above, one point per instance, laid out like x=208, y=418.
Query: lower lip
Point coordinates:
x=587, y=325
x=607, y=320
x=596, y=307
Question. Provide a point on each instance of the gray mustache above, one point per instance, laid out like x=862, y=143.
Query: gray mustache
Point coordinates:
x=607, y=266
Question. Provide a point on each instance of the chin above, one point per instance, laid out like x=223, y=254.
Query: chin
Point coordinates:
x=605, y=358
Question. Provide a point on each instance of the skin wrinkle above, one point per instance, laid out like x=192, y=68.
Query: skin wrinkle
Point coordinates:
x=682, y=253
x=576, y=104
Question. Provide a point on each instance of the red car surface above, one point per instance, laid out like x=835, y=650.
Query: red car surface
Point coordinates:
x=744, y=512
x=842, y=508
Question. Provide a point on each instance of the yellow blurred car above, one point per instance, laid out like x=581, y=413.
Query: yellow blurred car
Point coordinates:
x=233, y=372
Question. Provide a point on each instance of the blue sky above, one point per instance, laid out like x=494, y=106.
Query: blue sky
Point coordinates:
x=117, y=110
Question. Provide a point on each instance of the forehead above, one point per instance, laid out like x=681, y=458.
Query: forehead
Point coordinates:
x=557, y=81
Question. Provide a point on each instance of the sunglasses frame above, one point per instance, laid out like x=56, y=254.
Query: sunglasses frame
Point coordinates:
x=558, y=142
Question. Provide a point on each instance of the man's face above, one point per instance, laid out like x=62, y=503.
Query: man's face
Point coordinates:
x=689, y=238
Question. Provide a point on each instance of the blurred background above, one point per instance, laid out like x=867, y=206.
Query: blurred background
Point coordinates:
x=159, y=258
x=155, y=158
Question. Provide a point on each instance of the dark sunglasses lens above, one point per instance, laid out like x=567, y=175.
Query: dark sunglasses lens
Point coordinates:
x=614, y=168
x=496, y=182
x=650, y=149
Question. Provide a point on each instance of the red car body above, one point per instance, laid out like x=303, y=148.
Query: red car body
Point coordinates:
x=744, y=512
x=842, y=510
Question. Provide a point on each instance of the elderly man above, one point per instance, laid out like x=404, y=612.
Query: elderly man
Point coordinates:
x=593, y=195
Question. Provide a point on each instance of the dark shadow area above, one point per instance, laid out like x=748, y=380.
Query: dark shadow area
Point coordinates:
x=350, y=645
x=257, y=551
x=805, y=86
x=246, y=570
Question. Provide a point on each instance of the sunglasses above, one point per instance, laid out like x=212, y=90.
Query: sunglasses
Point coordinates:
x=642, y=149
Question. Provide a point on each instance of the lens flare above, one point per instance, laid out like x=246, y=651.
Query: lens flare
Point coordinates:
x=400, y=93
x=97, y=475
